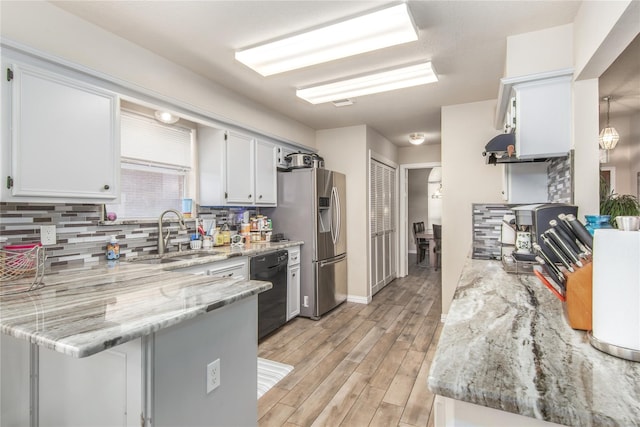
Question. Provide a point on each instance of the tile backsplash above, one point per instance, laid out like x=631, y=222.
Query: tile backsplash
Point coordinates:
x=82, y=238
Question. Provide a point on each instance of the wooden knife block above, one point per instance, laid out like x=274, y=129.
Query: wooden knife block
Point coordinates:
x=579, y=297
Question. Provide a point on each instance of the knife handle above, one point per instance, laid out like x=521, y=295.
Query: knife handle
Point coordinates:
x=542, y=253
x=567, y=236
x=549, y=273
x=581, y=232
x=564, y=247
x=558, y=253
x=552, y=271
x=567, y=227
x=549, y=285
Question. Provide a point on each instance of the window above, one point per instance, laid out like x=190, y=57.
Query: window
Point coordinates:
x=155, y=167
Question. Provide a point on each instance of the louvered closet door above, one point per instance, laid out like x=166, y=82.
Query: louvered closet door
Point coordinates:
x=382, y=223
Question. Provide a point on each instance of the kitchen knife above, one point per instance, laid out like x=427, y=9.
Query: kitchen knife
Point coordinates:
x=581, y=232
x=564, y=247
x=558, y=253
x=547, y=270
x=557, y=274
x=567, y=236
x=567, y=227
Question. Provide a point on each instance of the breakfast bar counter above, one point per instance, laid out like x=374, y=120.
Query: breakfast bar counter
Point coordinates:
x=506, y=345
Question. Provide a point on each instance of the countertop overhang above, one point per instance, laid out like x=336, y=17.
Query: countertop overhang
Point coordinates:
x=506, y=345
x=83, y=311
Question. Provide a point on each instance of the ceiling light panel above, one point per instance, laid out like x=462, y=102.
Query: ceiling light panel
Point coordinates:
x=377, y=30
x=384, y=81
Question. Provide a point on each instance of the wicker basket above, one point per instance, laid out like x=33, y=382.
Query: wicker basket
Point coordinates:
x=21, y=268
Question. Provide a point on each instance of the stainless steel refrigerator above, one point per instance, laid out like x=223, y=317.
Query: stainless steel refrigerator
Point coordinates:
x=312, y=208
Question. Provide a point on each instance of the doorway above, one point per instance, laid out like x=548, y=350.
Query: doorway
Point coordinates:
x=405, y=236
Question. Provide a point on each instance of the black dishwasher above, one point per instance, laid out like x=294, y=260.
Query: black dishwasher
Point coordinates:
x=272, y=304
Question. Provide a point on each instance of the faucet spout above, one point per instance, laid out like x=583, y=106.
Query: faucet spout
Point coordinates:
x=163, y=242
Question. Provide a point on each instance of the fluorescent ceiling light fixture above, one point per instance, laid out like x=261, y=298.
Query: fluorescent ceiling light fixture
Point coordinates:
x=413, y=75
x=376, y=30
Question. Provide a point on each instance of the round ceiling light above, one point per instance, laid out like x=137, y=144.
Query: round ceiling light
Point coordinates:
x=416, y=138
x=166, y=117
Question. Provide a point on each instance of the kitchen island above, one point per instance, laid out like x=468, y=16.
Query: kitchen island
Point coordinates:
x=132, y=338
x=507, y=356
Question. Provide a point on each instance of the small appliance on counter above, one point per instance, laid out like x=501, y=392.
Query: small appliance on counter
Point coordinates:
x=304, y=160
x=616, y=293
x=535, y=219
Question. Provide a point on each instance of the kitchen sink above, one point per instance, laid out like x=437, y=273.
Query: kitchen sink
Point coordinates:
x=172, y=257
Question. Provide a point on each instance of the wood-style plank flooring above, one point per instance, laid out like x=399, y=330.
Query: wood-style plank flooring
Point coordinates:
x=360, y=365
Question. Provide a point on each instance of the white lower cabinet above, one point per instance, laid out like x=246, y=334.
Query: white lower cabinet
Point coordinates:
x=235, y=267
x=112, y=396
x=456, y=413
x=293, y=283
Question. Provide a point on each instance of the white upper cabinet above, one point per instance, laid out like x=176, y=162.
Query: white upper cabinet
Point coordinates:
x=539, y=107
x=543, y=118
x=266, y=174
x=236, y=170
x=64, y=138
x=240, y=170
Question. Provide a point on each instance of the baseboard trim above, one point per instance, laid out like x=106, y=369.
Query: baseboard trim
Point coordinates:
x=358, y=299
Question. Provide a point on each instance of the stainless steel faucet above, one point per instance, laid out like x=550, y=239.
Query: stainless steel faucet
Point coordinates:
x=163, y=242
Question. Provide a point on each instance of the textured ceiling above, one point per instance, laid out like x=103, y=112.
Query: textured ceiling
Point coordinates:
x=465, y=40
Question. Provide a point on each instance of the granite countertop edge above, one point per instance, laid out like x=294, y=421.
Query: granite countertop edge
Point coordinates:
x=506, y=345
x=82, y=311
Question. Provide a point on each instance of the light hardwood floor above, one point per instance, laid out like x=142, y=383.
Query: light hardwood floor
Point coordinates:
x=360, y=365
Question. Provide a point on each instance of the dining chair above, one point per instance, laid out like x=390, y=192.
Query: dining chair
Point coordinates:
x=422, y=245
x=437, y=247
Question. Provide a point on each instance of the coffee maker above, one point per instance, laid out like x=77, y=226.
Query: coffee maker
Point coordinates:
x=535, y=218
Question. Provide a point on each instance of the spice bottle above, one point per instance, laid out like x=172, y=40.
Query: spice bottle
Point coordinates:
x=113, y=249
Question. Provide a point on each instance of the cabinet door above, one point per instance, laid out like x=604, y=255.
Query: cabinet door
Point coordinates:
x=293, y=292
x=65, y=140
x=239, y=169
x=101, y=390
x=543, y=118
x=266, y=173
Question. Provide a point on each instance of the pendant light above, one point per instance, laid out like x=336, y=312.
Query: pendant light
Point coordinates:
x=608, y=136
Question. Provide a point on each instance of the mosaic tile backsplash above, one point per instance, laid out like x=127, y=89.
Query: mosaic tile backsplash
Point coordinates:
x=487, y=225
x=81, y=238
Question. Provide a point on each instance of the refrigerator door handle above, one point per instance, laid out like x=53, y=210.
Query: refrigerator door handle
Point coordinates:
x=333, y=260
x=335, y=225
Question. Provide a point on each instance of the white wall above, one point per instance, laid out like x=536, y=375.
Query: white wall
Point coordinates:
x=344, y=150
x=602, y=30
x=47, y=28
x=426, y=153
x=530, y=53
x=466, y=179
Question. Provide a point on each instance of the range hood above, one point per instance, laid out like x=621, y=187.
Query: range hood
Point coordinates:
x=502, y=149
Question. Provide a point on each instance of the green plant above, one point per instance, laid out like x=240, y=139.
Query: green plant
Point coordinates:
x=619, y=205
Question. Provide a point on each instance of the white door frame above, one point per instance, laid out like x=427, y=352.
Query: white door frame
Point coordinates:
x=403, y=259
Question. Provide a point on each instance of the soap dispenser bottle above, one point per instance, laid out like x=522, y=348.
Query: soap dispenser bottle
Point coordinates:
x=113, y=249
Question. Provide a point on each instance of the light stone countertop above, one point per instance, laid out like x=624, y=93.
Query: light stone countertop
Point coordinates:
x=84, y=310
x=506, y=345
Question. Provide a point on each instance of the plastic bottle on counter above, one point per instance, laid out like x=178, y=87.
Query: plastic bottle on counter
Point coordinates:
x=226, y=234
x=113, y=249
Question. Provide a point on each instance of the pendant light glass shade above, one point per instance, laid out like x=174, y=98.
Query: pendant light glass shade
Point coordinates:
x=609, y=135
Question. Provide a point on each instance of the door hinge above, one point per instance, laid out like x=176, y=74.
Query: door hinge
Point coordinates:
x=9, y=74
x=9, y=182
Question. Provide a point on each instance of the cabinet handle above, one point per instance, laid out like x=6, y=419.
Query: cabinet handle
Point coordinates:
x=260, y=196
x=106, y=186
x=249, y=195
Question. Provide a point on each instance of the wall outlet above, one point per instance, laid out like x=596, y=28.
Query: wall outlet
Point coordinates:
x=48, y=234
x=213, y=375
x=305, y=301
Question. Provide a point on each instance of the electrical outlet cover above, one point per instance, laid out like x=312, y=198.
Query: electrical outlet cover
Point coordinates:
x=48, y=234
x=213, y=375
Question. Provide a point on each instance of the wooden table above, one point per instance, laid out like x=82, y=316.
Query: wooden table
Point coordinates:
x=428, y=235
